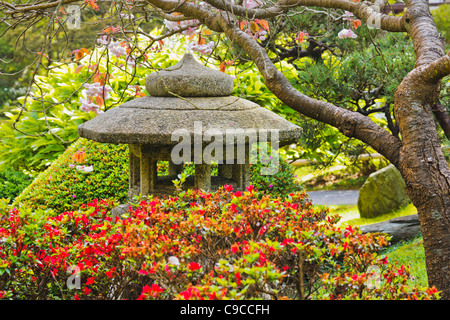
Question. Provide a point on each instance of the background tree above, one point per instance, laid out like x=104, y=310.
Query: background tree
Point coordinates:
x=267, y=34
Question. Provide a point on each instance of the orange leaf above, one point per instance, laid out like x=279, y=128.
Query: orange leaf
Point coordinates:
x=223, y=66
x=78, y=69
x=92, y=3
x=99, y=100
x=79, y=156
x=207, y=32
x=356, y=24
x=254, y=27
x=264, y=24
x=78, y=55
x=201, y=40
x=242, y=24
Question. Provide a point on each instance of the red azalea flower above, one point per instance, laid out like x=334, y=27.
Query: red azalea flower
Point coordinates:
x=110, y=272
x=237, y=275
x=87, y=291
x=194, y=266
x=90, y=280
x=384, y=260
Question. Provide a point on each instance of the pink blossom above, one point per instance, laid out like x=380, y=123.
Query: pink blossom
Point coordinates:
x=127, y=16
x=348, y=15
x=201, y=48
x=250, y=4
x=130, y=61
x=116, y=49
x=85, y=169
x=103, y=40
x=346, y=33
x=87, y=105
x=97, y=90
x=190, y=31
x=176, y=25
x=171, y=25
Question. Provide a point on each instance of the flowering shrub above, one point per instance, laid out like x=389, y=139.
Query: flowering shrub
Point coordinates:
x=221, y=245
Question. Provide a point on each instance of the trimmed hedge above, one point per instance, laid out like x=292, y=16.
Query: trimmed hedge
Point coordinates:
x=63, y=187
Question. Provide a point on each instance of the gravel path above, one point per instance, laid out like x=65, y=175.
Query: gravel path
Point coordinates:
x=331, y=197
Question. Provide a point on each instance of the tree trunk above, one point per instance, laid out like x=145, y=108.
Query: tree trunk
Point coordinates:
x=421, y=161
x=426, y=175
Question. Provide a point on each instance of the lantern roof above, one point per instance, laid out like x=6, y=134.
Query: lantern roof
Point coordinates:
x=188, y=97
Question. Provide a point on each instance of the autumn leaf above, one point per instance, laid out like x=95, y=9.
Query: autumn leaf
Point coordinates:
x=79, y=156
x=43, y=54
x=207, y=32
x=99, y=100
x=101, y=78
x=264, y=24
x=223, y=66
x=254, y=27
x=242, y=24
x=201, y=40
x=111, y=30
x=78, y=69
x=93, y=4
x=356, y=24
x=80, y=53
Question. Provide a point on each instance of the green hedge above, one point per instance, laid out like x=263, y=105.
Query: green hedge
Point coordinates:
x=62, y=187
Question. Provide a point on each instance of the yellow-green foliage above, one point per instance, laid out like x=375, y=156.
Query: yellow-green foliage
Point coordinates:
x=63, y=187
x=441, y=18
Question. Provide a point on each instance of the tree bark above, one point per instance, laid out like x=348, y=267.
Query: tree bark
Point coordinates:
x=422, y=163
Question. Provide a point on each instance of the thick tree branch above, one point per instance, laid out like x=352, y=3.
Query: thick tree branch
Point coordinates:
x=437, y=69
x=368, y=13
x=428, y=45
x=350, y=123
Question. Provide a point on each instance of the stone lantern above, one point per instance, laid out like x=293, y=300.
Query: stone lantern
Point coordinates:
x=194, y=103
